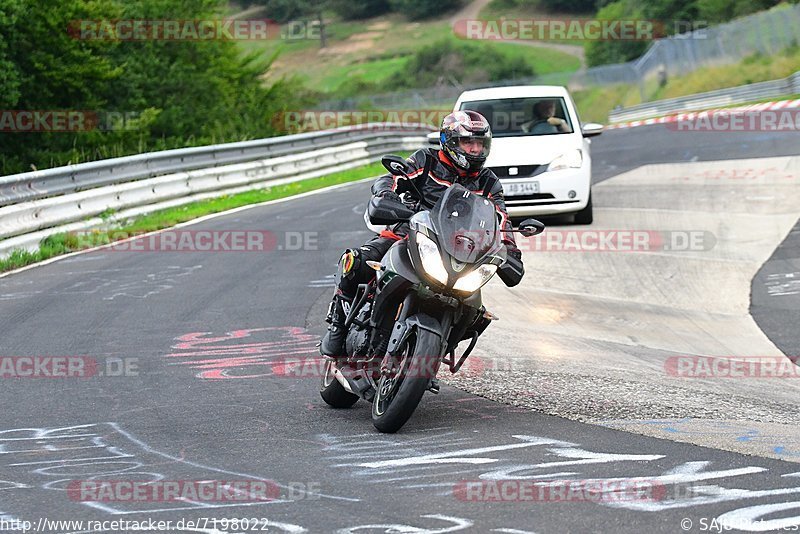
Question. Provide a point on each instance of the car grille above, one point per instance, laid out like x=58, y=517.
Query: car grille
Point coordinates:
x=537, y=196
x=524, y=171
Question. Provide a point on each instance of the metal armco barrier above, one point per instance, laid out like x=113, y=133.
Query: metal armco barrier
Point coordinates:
x=73, y=178
x=34, y=205
x=720, y=97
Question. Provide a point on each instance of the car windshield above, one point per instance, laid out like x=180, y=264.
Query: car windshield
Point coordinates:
x=514, y=117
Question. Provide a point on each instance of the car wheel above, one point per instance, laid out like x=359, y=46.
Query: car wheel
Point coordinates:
x=585, y=216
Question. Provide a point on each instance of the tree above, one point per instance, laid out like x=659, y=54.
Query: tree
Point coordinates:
x=47, y=69
x=9, y=74
x=359, y=9
x=567, y=6
x=180, y=92
x=423, y=9
x=616, y=51
x=715, y=11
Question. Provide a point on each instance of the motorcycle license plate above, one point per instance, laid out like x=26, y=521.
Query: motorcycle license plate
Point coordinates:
x=528, y=188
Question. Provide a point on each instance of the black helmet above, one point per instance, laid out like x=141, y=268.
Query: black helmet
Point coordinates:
x=466, y=124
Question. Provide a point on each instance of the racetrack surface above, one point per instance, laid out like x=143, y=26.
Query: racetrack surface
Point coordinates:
x=204, y=396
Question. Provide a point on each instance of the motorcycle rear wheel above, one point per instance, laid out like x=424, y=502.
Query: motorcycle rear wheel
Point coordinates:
x=397, y=397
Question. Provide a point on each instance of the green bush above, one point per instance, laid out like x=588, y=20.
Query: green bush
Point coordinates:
x=715, y=11
x=359, y=9
x=615, y=51
x=285, y=10
x=464, y=62
x=567, y=6
x=423, y=9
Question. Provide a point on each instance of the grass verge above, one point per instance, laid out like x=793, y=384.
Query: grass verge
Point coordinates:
x=64, y=243
x=595, y=103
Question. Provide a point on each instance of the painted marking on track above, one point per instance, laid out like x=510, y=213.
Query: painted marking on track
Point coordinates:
x=108, y=284
x=240, y=354
x=328, y=281
x=51, y=458
x=458, y=523
x=782, y=284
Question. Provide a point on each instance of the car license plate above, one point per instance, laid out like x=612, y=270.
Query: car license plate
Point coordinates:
x=528, y=188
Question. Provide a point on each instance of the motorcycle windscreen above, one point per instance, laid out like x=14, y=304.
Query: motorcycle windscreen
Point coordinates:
x=466, y=224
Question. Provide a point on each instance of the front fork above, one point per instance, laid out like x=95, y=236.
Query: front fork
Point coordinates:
x=438, y=321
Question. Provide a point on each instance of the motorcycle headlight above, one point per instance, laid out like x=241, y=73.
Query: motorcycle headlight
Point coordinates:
x=572, y=159
x=431, y=258
x=474, y=281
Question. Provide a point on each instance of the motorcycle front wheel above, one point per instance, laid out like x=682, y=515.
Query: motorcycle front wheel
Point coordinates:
x=399, y=392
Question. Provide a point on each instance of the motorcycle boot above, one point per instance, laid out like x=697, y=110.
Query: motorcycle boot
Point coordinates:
x=333, y=342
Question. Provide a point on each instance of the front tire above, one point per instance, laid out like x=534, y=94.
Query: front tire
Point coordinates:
x=333, y=392
x=585, y=216
x=398, y=396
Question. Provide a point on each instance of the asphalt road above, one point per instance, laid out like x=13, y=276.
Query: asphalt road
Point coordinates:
x=195, y=342
x=618, y=151
x=775, y=306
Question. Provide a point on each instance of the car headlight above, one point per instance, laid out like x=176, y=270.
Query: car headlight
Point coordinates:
x=431, y=258
x=572, y=159
x=474, y=281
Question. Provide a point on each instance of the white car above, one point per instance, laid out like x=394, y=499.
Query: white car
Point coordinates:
x=539, y=151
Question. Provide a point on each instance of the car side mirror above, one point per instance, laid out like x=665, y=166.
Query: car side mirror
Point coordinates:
x=395, y=165
x=531, y=227
x=591, y=129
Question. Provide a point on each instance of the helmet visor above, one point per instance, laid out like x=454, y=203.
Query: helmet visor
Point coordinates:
x=475, y=147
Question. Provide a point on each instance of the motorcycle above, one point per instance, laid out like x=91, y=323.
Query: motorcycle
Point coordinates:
x=424, y=300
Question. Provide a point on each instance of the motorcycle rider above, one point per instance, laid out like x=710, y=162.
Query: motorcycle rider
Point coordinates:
x=465, y=138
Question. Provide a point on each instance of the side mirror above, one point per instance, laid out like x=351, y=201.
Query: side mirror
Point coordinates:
x=433, y=138
x=395, y=165
x=590, y=129
x=383, y=211
x=531, y=227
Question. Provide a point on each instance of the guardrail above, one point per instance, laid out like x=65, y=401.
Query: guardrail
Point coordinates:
x=710, y=99
x=73, y=198
x=72, y=178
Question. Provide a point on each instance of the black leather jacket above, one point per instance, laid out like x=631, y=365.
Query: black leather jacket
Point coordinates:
x=442, y=175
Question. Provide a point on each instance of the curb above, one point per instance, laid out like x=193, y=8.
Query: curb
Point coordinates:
x=764, y=106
